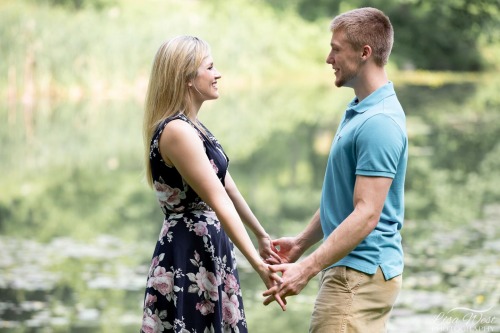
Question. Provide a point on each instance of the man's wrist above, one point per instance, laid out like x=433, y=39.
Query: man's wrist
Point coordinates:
x=302, y=243
x=311, y=266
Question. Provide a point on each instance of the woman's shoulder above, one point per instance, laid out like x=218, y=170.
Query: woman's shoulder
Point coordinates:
x=178, y=128
x=177, y=120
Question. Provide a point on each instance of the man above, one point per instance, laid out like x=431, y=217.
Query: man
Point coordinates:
x=362, y=203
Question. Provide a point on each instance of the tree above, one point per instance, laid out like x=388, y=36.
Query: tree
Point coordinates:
x=429, y=34
x=80, y=4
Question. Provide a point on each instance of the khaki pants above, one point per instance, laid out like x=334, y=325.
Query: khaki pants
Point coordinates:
x=350, y=301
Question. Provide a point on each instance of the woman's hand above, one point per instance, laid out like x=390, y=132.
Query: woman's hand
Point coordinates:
x=294, y=278
x=266, y=250
x=273, y=282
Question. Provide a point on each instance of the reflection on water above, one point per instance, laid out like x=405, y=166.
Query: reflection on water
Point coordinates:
x=451, y=236
x=69, y=285
x=80, y=287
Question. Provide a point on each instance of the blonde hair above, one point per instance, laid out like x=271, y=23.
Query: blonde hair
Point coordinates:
x=367, y=26
x=175, y=64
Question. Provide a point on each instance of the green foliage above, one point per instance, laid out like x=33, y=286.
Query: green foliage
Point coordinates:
x=81, y=203
x=443, y=35
x=80, y=4
x=431, y=34
x=270, y=118
x=489, y=177
x=71, y=149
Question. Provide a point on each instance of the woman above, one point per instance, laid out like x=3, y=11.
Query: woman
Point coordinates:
x=193, y=283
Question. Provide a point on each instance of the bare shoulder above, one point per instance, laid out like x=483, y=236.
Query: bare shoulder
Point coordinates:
x=179, y=140
x=177, y=131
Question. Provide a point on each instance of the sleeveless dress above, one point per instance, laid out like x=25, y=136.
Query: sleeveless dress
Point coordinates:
x=193, y=284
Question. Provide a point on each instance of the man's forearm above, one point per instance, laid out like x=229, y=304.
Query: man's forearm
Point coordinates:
x=312, y=234
x=341, y=242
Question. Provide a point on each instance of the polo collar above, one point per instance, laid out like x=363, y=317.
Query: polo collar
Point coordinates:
x=374, y=98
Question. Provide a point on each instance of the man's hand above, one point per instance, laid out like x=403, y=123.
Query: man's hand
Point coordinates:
x=294, y=279
x=272, y=281
x=286, y=249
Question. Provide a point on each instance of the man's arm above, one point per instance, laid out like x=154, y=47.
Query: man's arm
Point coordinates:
x=369, y=197
x=290, y=249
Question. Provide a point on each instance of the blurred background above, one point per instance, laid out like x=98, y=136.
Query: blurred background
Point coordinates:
x=78, y=224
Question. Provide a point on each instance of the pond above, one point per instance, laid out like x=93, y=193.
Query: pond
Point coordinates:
x=71, y=286
x=84, y=267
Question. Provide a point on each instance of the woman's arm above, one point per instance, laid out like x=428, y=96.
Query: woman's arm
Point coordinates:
x=181, y=146
x=248, y=217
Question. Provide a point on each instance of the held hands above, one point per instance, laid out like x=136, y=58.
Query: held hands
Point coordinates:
x=286, y=250
x=294, y=279
x=272, y=281
x=294, y=276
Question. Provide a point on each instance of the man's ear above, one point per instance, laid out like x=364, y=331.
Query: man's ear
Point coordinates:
x=366, y=52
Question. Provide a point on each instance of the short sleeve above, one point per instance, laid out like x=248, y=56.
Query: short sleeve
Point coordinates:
x=379, y=145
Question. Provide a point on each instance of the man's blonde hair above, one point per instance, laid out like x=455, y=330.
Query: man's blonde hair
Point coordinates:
x=367, y=26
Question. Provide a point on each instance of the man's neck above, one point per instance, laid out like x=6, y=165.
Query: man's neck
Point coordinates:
x=369, y=81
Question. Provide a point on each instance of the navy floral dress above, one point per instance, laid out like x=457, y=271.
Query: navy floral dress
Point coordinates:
x=193, y=284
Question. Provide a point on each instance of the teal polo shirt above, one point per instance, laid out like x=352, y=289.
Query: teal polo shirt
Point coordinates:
x=371, y=140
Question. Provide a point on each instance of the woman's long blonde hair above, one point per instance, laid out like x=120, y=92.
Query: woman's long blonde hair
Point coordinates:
x=175, y=64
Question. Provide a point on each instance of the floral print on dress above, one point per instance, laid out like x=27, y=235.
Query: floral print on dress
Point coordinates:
x=153, y=323
x=206, y=283
x=168, y=197
x=192, y=284
x=231, y=314
x=165, y=233
x=162, y=280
